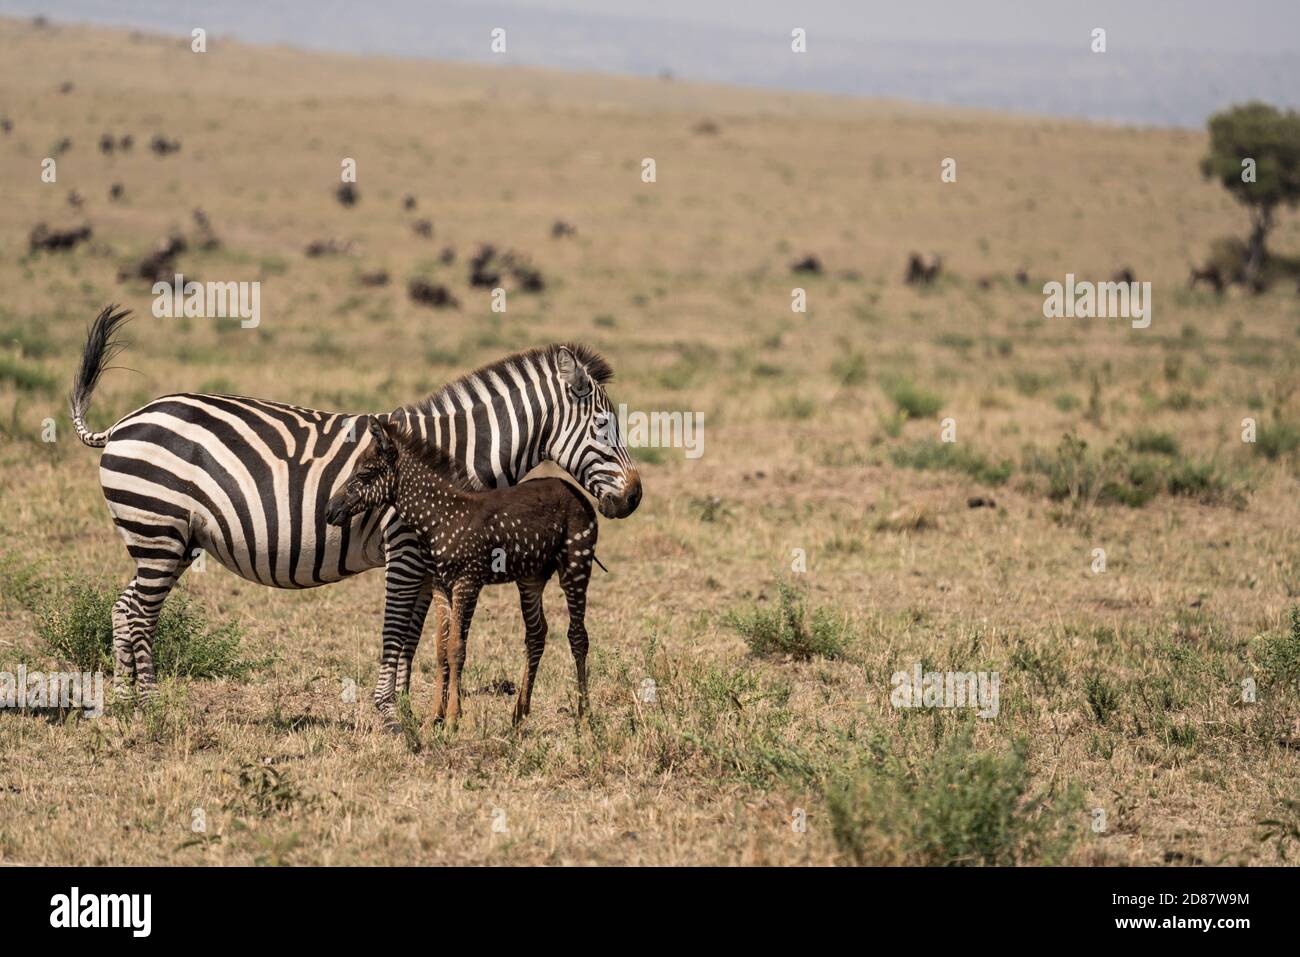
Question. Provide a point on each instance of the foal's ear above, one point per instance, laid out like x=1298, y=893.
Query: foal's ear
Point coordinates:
x=383, y=440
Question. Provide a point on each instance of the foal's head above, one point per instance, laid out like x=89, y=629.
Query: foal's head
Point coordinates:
x=376, y=481
x=373, y=482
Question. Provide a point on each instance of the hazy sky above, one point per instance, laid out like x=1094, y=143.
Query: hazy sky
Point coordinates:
x=1209, y=25
x=1168, y=62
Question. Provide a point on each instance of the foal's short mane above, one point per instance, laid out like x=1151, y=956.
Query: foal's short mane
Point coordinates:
x=600, y=371
x=435, y=458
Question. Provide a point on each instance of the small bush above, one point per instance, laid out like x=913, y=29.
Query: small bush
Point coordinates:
x=1277, y=439
x=265, y=790
x=77, y=627
x=24, y=377
x=1199, y=480
x=957, y=807
x=951, y=457
x=893, y=423
x=1148, y=442
x=912, y=400
x=1102, y=697
x=1120, y=476
x=29, y=340
x=787, y=630
x=1281, y=654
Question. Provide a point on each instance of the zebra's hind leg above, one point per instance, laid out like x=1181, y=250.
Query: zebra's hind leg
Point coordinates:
x=123, y=657
x=160, y=545
x=414, y=627
x=155, y=577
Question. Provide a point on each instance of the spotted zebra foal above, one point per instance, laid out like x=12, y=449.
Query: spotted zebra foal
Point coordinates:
x=522, y=534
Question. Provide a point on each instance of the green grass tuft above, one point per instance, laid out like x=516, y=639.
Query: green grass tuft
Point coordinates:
x=913, y=401
x=951, y=457
x=958, y=806
x=788, y=630
x=77, y=626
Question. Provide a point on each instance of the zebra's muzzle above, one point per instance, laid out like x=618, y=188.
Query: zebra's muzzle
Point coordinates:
x=624, y=503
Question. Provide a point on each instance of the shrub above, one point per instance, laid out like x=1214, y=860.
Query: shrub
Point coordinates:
x=1281, y=653
x=1277, y=439
x=24, y=377
x=951, y=457
x=959, y=807
x=1119, y=476
x=77, y=627
x=788, y=630
x=1153, y=443
x=1199, y=480
x=912, y=400
x=1102, y=697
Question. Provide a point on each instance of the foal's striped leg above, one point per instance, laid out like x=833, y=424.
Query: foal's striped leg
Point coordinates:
x=530, y=603
x=574, y=579
x=464, y=597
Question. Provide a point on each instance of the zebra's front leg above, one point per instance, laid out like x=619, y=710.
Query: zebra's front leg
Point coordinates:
x=403, y=592
x=418, y=613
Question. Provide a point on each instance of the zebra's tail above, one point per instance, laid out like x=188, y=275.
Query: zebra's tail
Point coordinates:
x=599, y=562
x=101, y=347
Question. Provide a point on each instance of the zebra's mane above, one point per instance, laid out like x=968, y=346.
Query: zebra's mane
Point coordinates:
x=592, y=361
x=442, y=464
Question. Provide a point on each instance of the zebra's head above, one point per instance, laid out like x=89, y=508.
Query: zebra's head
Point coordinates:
x=373, y=483
x=584, y=438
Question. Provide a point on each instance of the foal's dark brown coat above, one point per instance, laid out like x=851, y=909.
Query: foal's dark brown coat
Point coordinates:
x=522, y=534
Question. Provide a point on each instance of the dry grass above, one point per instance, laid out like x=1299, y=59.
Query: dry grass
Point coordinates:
x=1120, y=690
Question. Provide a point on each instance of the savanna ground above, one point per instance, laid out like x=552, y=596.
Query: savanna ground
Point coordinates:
x=1121, y=690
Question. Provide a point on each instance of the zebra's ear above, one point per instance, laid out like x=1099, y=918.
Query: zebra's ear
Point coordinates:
x=572, y=372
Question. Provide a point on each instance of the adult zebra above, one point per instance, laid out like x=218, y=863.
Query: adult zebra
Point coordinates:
x=247, y=481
